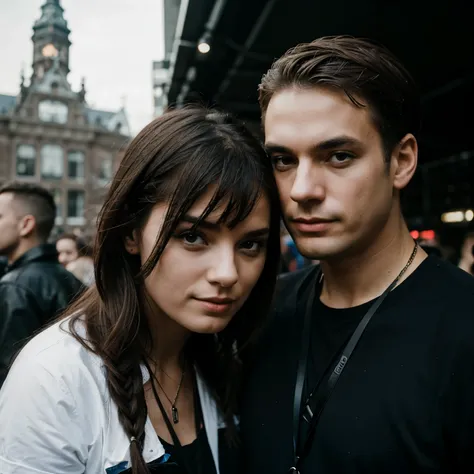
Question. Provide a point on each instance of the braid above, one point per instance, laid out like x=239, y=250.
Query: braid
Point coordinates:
x=125, y=383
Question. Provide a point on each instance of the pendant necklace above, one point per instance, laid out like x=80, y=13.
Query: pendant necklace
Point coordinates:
x=174, y=409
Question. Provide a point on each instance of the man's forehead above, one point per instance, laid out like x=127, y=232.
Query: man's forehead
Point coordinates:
x=310, y=117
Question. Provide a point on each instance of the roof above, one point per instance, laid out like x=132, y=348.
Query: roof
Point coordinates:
x=111, y=121
x=435, y=43
x=7, y=103
x=250, y=34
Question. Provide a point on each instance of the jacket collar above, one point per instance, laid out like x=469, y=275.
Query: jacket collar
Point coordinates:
x=44, y=252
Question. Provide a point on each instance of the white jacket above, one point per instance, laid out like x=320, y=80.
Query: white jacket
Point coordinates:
x=57, y=416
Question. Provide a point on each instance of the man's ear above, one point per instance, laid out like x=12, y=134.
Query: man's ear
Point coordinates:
x=132, y=243
x=26, y=225
x=404, y=161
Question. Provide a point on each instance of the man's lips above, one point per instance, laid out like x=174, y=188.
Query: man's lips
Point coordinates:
x=312, y=224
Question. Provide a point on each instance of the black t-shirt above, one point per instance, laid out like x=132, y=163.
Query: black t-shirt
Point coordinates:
x=405, y=401
x=195, y=457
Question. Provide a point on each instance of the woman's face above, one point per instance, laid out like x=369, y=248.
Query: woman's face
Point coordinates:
x=67, y=251
x=204, y=277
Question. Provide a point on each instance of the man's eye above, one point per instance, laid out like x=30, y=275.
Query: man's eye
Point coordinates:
x=341, y=157
x=282, y=161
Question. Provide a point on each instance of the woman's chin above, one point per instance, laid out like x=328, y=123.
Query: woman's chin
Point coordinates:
x=208, y=324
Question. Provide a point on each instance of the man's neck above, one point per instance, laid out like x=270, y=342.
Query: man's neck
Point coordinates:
x=360, y=278
x=23, y=247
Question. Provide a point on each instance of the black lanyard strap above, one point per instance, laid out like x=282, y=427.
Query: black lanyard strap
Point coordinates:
x=325, y=390
x=303, y=360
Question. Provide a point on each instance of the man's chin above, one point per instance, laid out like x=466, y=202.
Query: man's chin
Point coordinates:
x=315, y=248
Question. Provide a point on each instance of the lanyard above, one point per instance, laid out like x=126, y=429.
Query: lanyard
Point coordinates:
x=325, y=391
x=177, y=447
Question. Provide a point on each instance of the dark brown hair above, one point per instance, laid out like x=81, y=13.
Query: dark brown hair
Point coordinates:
x=364, y=70
x=37, y=201
x=175, y=159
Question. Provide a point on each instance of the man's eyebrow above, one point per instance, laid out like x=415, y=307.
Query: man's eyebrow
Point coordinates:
x=274, y=148
x=330, y=144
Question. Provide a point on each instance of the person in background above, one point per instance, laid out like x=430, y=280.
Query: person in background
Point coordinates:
x=35, y=287
x=143, y=373
x=69, y=246
x=76, y=256
x=367, y=365
x=466, y=261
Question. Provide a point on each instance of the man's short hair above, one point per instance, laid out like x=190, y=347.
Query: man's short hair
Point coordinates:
x=363, y=70
x=36, y=201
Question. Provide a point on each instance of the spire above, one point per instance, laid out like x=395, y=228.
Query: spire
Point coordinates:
x=50, y=39
x=82, y=92
x=52, y=14
x=23, y=87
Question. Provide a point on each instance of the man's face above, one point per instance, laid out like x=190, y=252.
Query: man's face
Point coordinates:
x=9, y=225
x=335, y=186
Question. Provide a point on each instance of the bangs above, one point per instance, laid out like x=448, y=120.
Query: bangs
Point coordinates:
x=238, y=183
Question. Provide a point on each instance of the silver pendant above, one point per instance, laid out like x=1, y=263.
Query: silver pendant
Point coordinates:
x=174, y=414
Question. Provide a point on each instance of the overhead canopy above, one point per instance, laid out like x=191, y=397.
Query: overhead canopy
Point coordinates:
x=435, y=40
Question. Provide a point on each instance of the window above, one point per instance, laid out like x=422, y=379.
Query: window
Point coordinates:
x=106, y=170
x=75, y=207
x=52, y=162
x=26, y=160
x=75, y=164
x=53, y=111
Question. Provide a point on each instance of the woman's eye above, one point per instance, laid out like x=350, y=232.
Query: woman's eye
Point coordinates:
x=191, y=238
x=252, y=246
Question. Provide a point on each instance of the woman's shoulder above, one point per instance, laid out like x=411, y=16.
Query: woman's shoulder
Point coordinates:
x=57, y=352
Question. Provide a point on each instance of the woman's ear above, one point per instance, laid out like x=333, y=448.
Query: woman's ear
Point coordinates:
x=132, y=244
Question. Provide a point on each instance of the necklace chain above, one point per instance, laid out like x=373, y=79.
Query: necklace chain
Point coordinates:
x=405, y=268
x=174, y=410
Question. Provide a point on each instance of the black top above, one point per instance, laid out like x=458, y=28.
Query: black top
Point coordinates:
x=196, y=457
x=404, y=402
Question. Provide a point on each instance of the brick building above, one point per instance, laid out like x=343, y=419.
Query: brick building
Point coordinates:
x=49, y=135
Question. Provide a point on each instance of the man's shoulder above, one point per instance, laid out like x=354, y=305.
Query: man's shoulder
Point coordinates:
x=451, y=281
x=41, y=273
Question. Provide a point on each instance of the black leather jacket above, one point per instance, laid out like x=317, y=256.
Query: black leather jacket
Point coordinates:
x=34, y=289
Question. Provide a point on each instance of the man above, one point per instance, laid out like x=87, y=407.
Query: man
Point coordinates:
x=345, y=380
x=35, y=287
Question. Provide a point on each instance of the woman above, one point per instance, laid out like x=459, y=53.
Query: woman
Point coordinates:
x=76, y=256
x=143, y=373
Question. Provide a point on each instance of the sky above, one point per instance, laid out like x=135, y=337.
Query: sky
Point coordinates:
x=114, y=43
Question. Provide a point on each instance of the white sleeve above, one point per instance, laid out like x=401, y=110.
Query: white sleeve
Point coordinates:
x=40, y=431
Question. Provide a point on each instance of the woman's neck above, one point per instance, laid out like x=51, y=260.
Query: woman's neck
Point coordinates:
x=168, y=342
